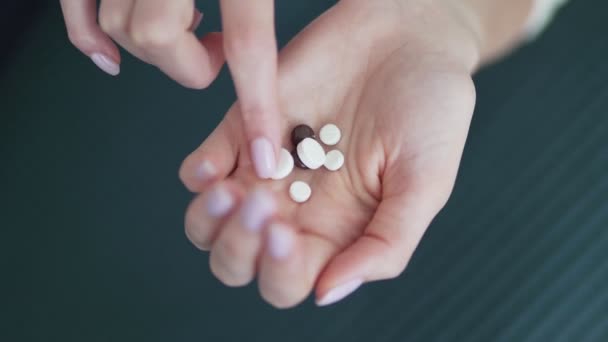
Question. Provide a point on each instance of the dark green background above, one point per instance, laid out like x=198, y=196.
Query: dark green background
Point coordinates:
x=92, y=209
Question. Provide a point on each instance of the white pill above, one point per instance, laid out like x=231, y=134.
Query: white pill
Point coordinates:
x=334, y=160
x=299, y=191
x=284, y=166
x=330, y=134
x=311, y=153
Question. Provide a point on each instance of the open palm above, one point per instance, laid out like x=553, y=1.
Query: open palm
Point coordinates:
x=404, y=111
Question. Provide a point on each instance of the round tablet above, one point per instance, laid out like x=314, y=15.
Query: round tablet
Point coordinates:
x=284, y=166
x=330, y=134
x=301, y=132
x=311, y=153
x=334, y=160
x=297, y=161
x=299, y=191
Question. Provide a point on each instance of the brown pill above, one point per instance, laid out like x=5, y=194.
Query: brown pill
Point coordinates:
x=301, y=132
x=296, y=160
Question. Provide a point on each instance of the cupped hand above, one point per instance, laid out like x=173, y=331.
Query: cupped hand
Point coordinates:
x=161, y=33
x=387, y=75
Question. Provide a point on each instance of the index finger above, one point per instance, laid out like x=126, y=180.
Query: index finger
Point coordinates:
x=251, y=51
x=84, y=32
x=162, y=31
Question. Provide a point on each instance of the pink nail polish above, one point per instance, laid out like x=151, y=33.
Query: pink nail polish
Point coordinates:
x=205, y=171
x=338, y=293
x=219, y=202
x=280, y=241
x=263, y=157
x=196, y=21
x=256, y=210
x=105, y=63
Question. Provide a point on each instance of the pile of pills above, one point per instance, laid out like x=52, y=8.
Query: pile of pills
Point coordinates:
x=309, y=155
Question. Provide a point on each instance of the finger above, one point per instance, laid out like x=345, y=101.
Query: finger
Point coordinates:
x=251, y=52
x=114, y=20
x=208, y=211
x=87, y=36
x=162, y=30
x=196, y=20
x=384, y=249
x=211, y=161
x=235, y=251
x=290, y=264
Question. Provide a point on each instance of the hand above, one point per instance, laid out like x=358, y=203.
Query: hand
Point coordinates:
x=396, y=79
x=160, y=33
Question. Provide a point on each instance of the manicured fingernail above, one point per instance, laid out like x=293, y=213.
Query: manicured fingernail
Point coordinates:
x=256, y=210
x=205, y=171
x=280, y=241
x=263, y=157
x=105, y=63
x=338, y=293
x=219, y=202
x=196, y=21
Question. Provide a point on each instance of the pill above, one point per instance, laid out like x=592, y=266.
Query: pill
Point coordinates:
x=311, y=153
x=330, y=134
x=297, y=161
x=334, y=160
x=284, y=166
x=299, y=191
x=301, y=132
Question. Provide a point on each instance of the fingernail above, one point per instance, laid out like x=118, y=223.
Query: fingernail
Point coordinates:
x=258, y=207
x=105, y=63
x=263, y=157
x=196, y=21
x=280, y=241
x=219, y=202
x=338, y=293
x=206, y=171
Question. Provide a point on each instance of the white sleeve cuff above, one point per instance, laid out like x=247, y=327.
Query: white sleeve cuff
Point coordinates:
x=540, y=16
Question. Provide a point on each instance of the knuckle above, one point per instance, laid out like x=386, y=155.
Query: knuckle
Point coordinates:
x=152, y=35
x=246, y=44
x=80, y=40
x=254, y=113
x=227, y=273
x=112, y=22
x=394, y=269
x=231, y=249
x=237, y=43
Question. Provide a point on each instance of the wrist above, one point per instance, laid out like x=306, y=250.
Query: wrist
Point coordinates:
x=497, y=25
x=442, y=30
x=446, y=29
x=467, y=32
x=461, y=33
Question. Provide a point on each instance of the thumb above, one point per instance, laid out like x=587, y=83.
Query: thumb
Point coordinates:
x=386, y=246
